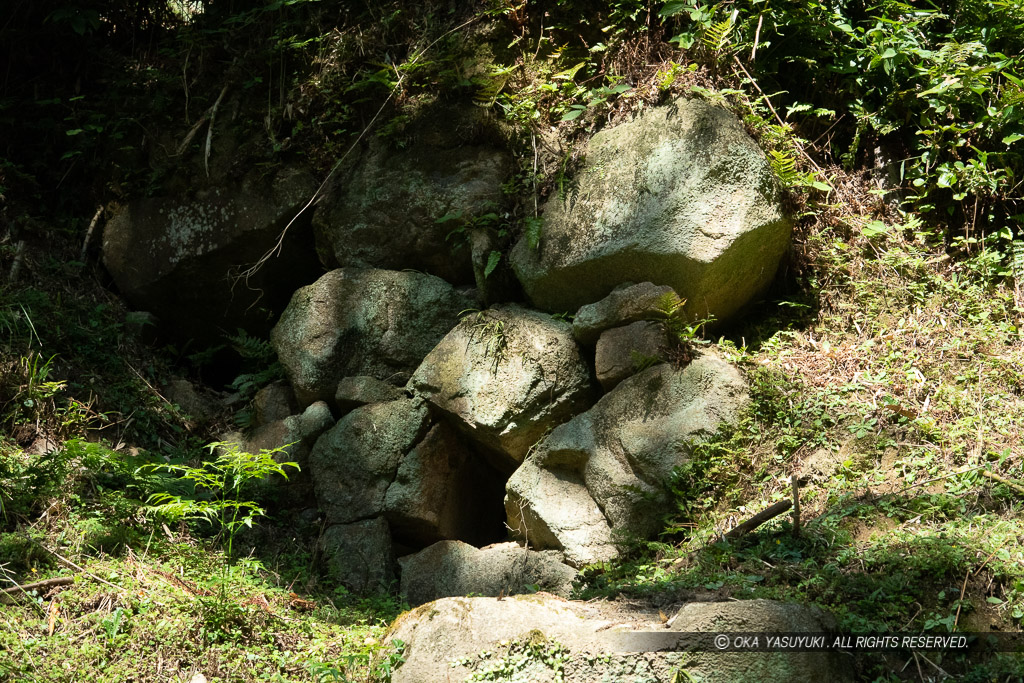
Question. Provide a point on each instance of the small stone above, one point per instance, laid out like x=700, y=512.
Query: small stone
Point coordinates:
x=353, y=392
x=627, y=303
x=624, y=351
x=274, y=402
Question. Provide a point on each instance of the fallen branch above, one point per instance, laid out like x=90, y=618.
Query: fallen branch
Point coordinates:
x=778, y=118
x=275, y=250
x=6, y=595
x=80, y=569
x=796, y=506
x=1006, y=482
x=19, y=257
x=758, y=519
x=209, y=129
x=88, y=234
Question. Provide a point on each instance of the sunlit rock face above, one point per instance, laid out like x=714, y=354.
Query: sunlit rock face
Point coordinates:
x=505, y=376
x=679, y=196
x=455, y=639
x=601, y=474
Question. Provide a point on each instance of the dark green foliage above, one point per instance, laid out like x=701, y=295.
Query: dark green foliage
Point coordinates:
x=937, y=85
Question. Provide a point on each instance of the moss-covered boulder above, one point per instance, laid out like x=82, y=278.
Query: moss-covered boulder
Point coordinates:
x=355, y=321
x=506, y=376
x=448, y=160
x=183, y=258
x=679, y=196
x=603, y=472
x=546, y=639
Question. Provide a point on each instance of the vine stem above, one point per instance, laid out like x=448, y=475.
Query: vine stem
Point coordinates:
x=246, y=274
x=778, y=118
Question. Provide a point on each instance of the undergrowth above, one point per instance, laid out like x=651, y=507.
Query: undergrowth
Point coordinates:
x=889, y=405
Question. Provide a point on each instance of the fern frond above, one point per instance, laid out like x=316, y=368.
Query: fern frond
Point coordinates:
x=717, y=35
x=1017, y=258
x=251, y=348
x=784, y=165
x=670, y=305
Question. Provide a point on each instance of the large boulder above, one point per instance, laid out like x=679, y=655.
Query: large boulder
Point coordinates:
x=181, y=257
x=546, y=639
x=391, y=460
x=697, y=208
x=354, y=321
x=452, y=568
x=602, y=474
x=385, y=210
x=506, y=376
x=355, y=462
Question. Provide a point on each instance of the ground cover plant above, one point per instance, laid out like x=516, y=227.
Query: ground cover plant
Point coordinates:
x=887, y=364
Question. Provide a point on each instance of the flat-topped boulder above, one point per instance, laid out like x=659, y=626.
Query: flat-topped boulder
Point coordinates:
x=546, y=639
x=681, y=196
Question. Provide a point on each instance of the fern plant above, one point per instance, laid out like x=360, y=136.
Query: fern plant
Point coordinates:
x=218, y=486
x=716, y=36
x=259, y=359
x=784, y=164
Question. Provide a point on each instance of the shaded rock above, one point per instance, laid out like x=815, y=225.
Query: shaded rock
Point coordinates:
x=602, y=473
x=358, y=555
x=181, y=392
x=506, y=375
x=494, y=282
x=391, y=460
x=697, y=209
x=543, y=638
x=194, y=247
x=355, y=462
x=384, y=212
x=276, y=401
x=353, y=392
x=761, y=616
x=443, y=490
x=353, y=322
x=296, y=435
x=622, y=351
x=452, y=568
x=626, y=304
